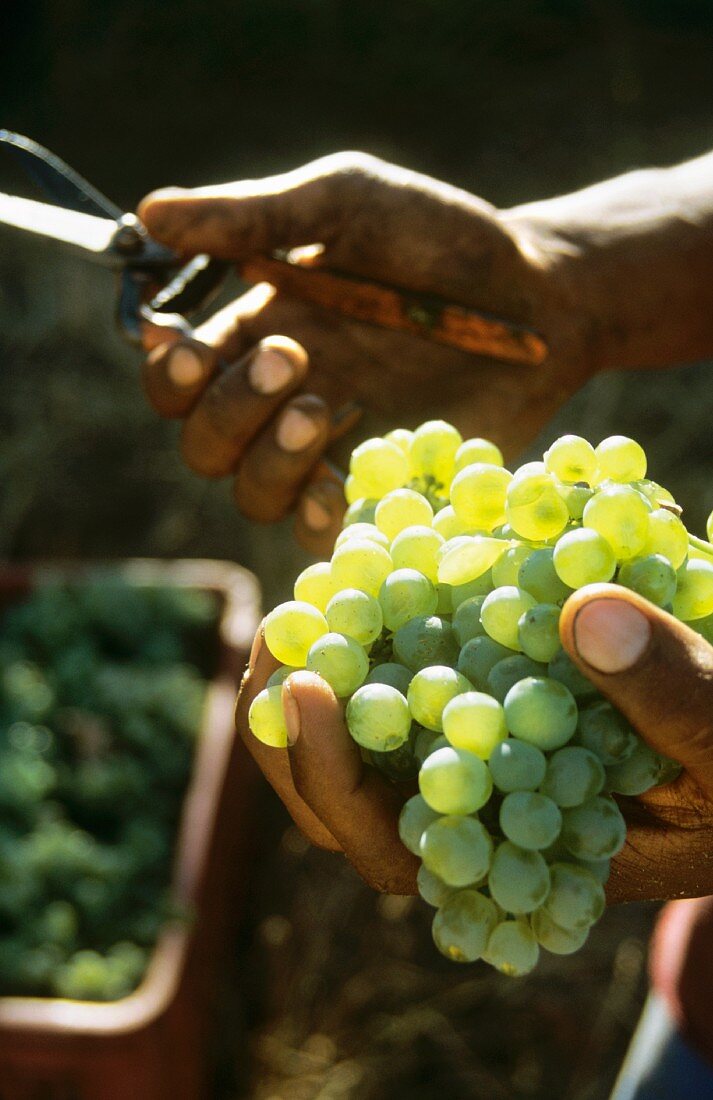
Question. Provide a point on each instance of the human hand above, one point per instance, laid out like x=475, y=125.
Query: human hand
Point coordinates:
x=656, y=670
x=239, y=388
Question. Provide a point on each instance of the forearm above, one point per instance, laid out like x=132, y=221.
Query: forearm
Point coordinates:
x=636, y=254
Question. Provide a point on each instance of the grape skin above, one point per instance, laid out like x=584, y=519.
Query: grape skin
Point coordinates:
x=468, y=643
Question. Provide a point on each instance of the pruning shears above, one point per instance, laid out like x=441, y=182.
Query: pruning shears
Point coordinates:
x=82, y=218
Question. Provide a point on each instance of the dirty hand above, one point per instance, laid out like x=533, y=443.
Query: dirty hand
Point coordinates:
x=258, y=386
x=656, y=670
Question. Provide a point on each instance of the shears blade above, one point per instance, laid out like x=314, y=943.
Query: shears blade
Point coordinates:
x=85, y=232
x=61, y=184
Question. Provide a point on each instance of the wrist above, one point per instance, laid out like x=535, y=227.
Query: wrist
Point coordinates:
x=635, y=256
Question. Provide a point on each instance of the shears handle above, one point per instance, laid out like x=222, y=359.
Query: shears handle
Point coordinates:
x=359, y=299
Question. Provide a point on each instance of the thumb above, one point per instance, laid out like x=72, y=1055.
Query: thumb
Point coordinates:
x=653, y=668
x=237, y=220
x=354, y=802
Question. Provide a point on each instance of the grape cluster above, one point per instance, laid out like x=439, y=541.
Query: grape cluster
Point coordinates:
x=102, y=687
x=436, y=621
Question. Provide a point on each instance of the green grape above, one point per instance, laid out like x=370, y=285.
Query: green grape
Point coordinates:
x=709, y=527
x=458, y=849
x=621, y=516
x=541, y=711
x=501, y=612
x=477, y=450
x=361, y=530
x=571, y=458
x=576, y=899
x=444, y=599
x=467, y=558
x=538, y=576
x=666, y=535
x=478, y=657
x=533, y=507
x=447, y=524
x=508, y=672
x=406, y=594
x=643, y=769
x=519, y=880
x=576, y=497
x=507, y=568
x=379, y=466
x=433, y=450
x=278, y=677
x=417, y=548
x=360, y=511
x=415, y=817
x=621, y=459
x=391, y=673
x=563, y=668
x=653, y=577
x=478, y=495
x=353, y=490
x=463, y=926
x=291, y=628
x=574, y=775
x=429, y=692
x=694, y=591
x=594, y=830
x=356, y=614
x=583, y=556
x=454, y=782
x=479, y=586
x=538, y=632
x=361, y=563
x=605, y=732
x=266, y=718
x=432, y=889
x=425, y=640
x=475, y=722
x=399, y=765
x=517, y=766
x=315, y=585
x=340, y=661
x=378, y=717
x=402, y=437
x=466, y=620
x=530, y=819
x=402, y=508
x=513, y=949
x=59, y=923
x=553, y=938
x=704, y=627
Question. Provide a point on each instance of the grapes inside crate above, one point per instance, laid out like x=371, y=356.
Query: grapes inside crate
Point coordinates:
x=102, y=689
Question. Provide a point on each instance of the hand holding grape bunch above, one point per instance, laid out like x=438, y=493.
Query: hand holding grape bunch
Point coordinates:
x=464, y=680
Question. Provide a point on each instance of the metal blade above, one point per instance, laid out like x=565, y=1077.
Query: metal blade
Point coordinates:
x=60, y=182
x=83, y=231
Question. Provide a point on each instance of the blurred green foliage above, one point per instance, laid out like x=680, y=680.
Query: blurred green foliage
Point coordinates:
x=513, y=99
x=101, y=698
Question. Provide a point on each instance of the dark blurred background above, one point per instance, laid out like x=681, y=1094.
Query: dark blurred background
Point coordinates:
x=340, y=993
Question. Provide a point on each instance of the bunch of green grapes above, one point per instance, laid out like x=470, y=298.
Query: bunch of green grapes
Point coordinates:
x=102, y=687
x=436, y=622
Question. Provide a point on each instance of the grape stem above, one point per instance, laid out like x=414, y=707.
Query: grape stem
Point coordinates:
x=701, y=544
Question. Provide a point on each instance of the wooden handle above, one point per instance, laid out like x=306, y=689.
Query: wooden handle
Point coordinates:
x=395, y=309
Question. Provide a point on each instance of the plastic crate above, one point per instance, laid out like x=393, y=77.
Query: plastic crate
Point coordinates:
x=155, y=1044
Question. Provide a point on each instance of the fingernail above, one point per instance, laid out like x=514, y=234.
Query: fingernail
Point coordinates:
x=296, y=431
x=292, y=713
x=256, y=647
x=315, y=513
x=611, y=635
x=270, y=371
x=184, y=367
